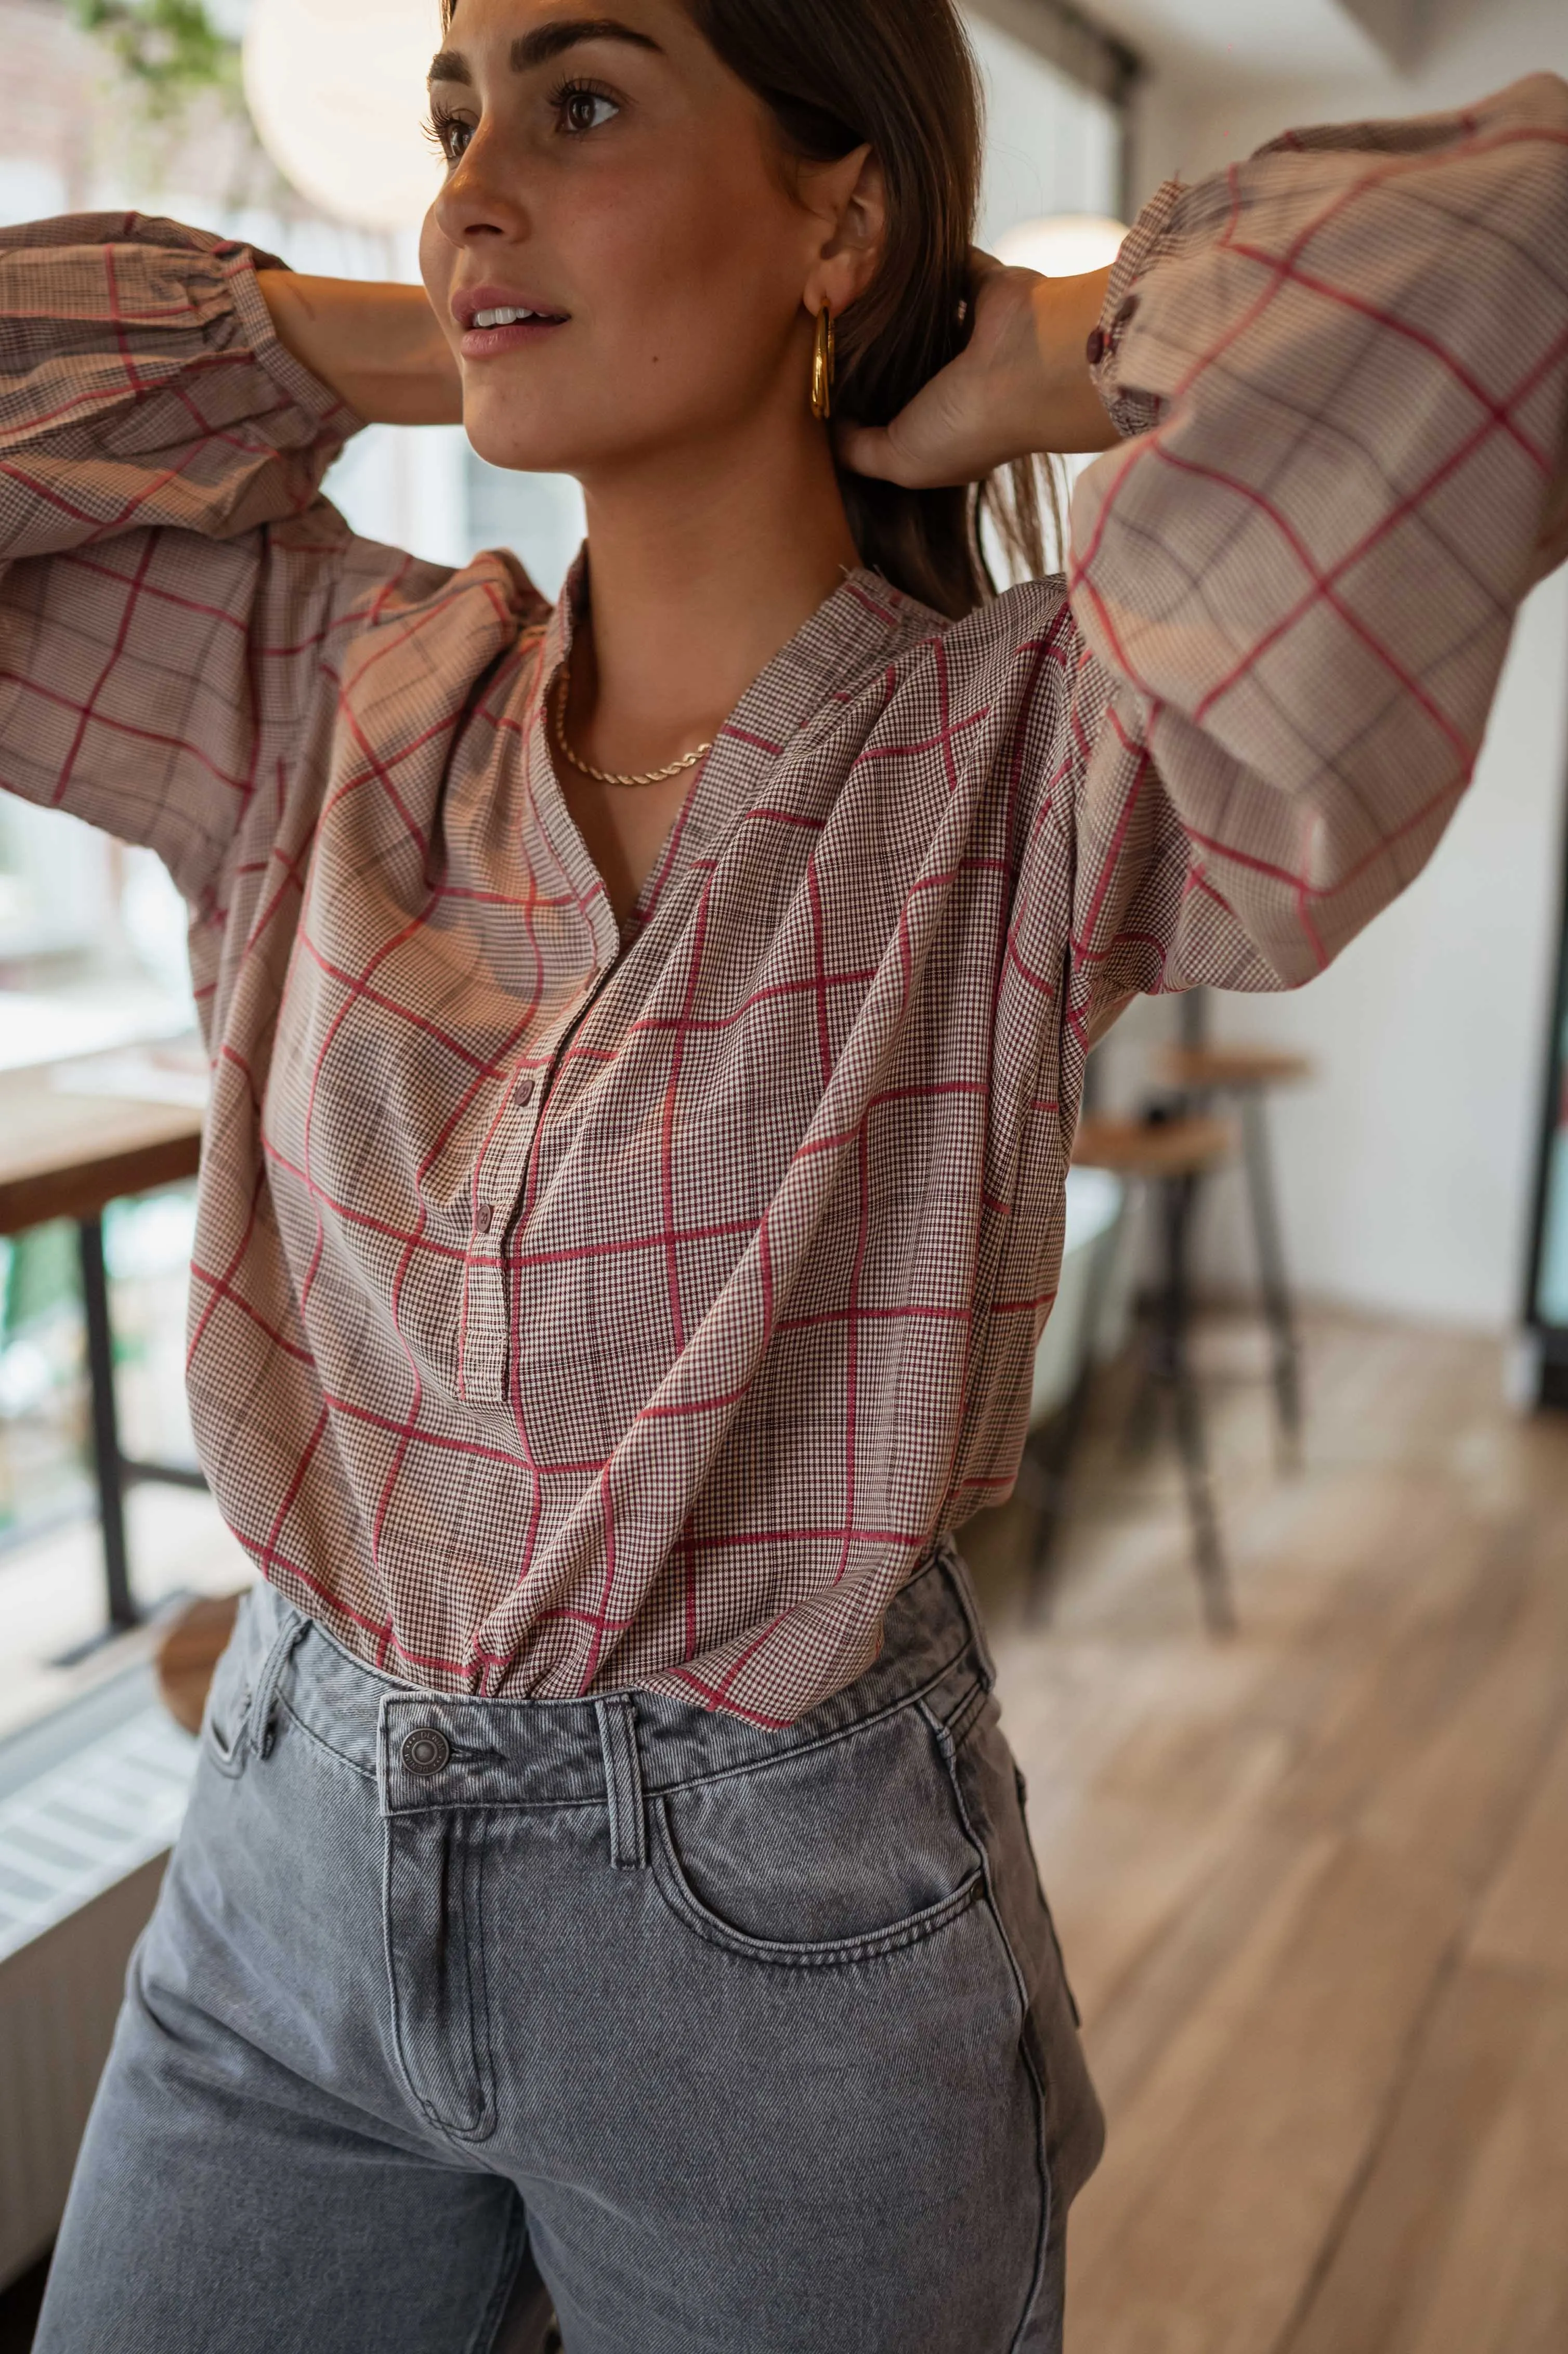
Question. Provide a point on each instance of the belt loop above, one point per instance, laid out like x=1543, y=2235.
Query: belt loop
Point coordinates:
x=622, y=1780
x=264, y=1700
x=957, y=1571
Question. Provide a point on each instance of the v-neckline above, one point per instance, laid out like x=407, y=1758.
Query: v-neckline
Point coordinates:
x=853, y=622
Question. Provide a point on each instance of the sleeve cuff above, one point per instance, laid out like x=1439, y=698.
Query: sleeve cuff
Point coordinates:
x=307, y=392
x=1131, y=411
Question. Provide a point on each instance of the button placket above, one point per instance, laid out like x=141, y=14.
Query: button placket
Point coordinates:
x=503, y=1173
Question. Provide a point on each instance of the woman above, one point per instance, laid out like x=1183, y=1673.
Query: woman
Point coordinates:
x=647, y=1040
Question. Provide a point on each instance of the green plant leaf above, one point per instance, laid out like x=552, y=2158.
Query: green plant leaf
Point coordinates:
x=170, y=50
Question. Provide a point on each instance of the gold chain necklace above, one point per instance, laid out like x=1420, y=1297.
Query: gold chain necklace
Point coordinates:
x=603, y=776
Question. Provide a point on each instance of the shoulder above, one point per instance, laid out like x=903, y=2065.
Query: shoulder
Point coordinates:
x=992, y=657
x=391, y=588
x=395, y=611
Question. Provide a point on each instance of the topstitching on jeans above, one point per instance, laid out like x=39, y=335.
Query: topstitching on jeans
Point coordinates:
x=339, y=1756
x=821, y=1953
x=788, y=1751
x=968, y=1705
x=1027, y=2044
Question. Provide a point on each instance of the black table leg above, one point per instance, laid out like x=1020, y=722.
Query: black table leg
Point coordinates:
x=1174, y=1368
x=1275, y=1283
x=106, y=1456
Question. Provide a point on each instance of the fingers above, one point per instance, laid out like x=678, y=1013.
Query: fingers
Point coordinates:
x=877, y=451
x=871, y=450
x=915, y=462
x=924, y=448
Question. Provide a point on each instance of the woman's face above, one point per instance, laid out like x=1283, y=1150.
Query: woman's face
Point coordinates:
x=612, y=182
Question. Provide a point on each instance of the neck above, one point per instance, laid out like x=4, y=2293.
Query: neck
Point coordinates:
x=702, y=564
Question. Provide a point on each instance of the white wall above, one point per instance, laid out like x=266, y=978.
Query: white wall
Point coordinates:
x=1050, y=147
x=1192, y=125
x=1407, y=1167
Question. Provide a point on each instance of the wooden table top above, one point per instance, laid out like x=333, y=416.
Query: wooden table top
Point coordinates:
x=66, y=1156
x=1173, y=1148
x=1234, y=1067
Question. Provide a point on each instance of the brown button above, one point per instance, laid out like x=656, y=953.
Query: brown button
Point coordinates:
x=484, y=1216
x=522, y=1091
x=1126, y=310
x=1094, y=349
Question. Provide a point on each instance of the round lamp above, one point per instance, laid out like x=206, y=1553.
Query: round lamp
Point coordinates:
x=336, y=91
x=1067, y=245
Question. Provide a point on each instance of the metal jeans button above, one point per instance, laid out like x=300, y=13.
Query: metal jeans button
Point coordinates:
x=426, y=1751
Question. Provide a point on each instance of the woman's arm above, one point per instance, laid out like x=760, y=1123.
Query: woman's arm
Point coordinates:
x=161, y=453
x=379, y=347
x=1342, y=368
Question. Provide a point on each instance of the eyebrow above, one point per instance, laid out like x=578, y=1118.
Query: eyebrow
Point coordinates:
x=546, y=41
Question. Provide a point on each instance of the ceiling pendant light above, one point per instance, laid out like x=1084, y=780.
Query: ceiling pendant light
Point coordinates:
x=336, y=91
x=1064, y=245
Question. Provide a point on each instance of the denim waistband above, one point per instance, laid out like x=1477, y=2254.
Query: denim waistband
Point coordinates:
x=431, y=1749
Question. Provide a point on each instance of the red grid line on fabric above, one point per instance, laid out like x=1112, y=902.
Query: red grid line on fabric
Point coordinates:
x=486, y=1067
x=438, y=1146
x=667, y=1130
x=1381, y=530
x=123, y=727
x=486, y=1143
x=351, y=1215
x=222, y=1288
x=85, y=716
x=443, y=1442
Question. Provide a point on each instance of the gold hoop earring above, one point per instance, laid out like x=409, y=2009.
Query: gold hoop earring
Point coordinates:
x=823, y=362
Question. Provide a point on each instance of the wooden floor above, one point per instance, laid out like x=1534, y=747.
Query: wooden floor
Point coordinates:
x=1312, y=1882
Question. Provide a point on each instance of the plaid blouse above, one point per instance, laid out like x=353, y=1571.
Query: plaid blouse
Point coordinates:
x=574, y=1310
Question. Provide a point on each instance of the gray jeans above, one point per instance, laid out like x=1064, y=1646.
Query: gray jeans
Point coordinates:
x=727, y=2040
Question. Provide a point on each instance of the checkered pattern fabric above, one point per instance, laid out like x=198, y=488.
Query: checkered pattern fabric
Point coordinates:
x=572, y=1311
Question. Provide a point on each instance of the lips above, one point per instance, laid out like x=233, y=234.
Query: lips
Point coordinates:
x=496, y=319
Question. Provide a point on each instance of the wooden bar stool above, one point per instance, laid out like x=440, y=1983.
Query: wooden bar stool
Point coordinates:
x=1171, y=1156
x=1246, y=1074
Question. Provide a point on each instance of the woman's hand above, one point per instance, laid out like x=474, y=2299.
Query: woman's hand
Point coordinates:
x=379, y=347
x=1021, y=385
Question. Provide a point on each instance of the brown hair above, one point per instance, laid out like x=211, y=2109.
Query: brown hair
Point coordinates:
x=898, y=75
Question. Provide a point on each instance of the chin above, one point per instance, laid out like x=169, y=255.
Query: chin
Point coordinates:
x=519, y=437
x=567, y=430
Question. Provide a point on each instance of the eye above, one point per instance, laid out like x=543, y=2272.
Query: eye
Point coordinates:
x=449, y=133
x=580, y=108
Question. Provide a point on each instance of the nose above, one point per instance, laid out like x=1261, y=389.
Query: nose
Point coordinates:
x=478, y=199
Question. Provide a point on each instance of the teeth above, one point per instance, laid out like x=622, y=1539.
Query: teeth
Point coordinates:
x=501, y=318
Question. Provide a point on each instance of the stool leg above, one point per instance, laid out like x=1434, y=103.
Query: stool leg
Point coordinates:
x=1277, y=1305
x=1047, y=1461
x=1192, y=1017
x=1049, y=1455
x=1178, y=1196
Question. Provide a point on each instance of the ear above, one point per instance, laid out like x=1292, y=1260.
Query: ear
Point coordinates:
x=848, y=199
